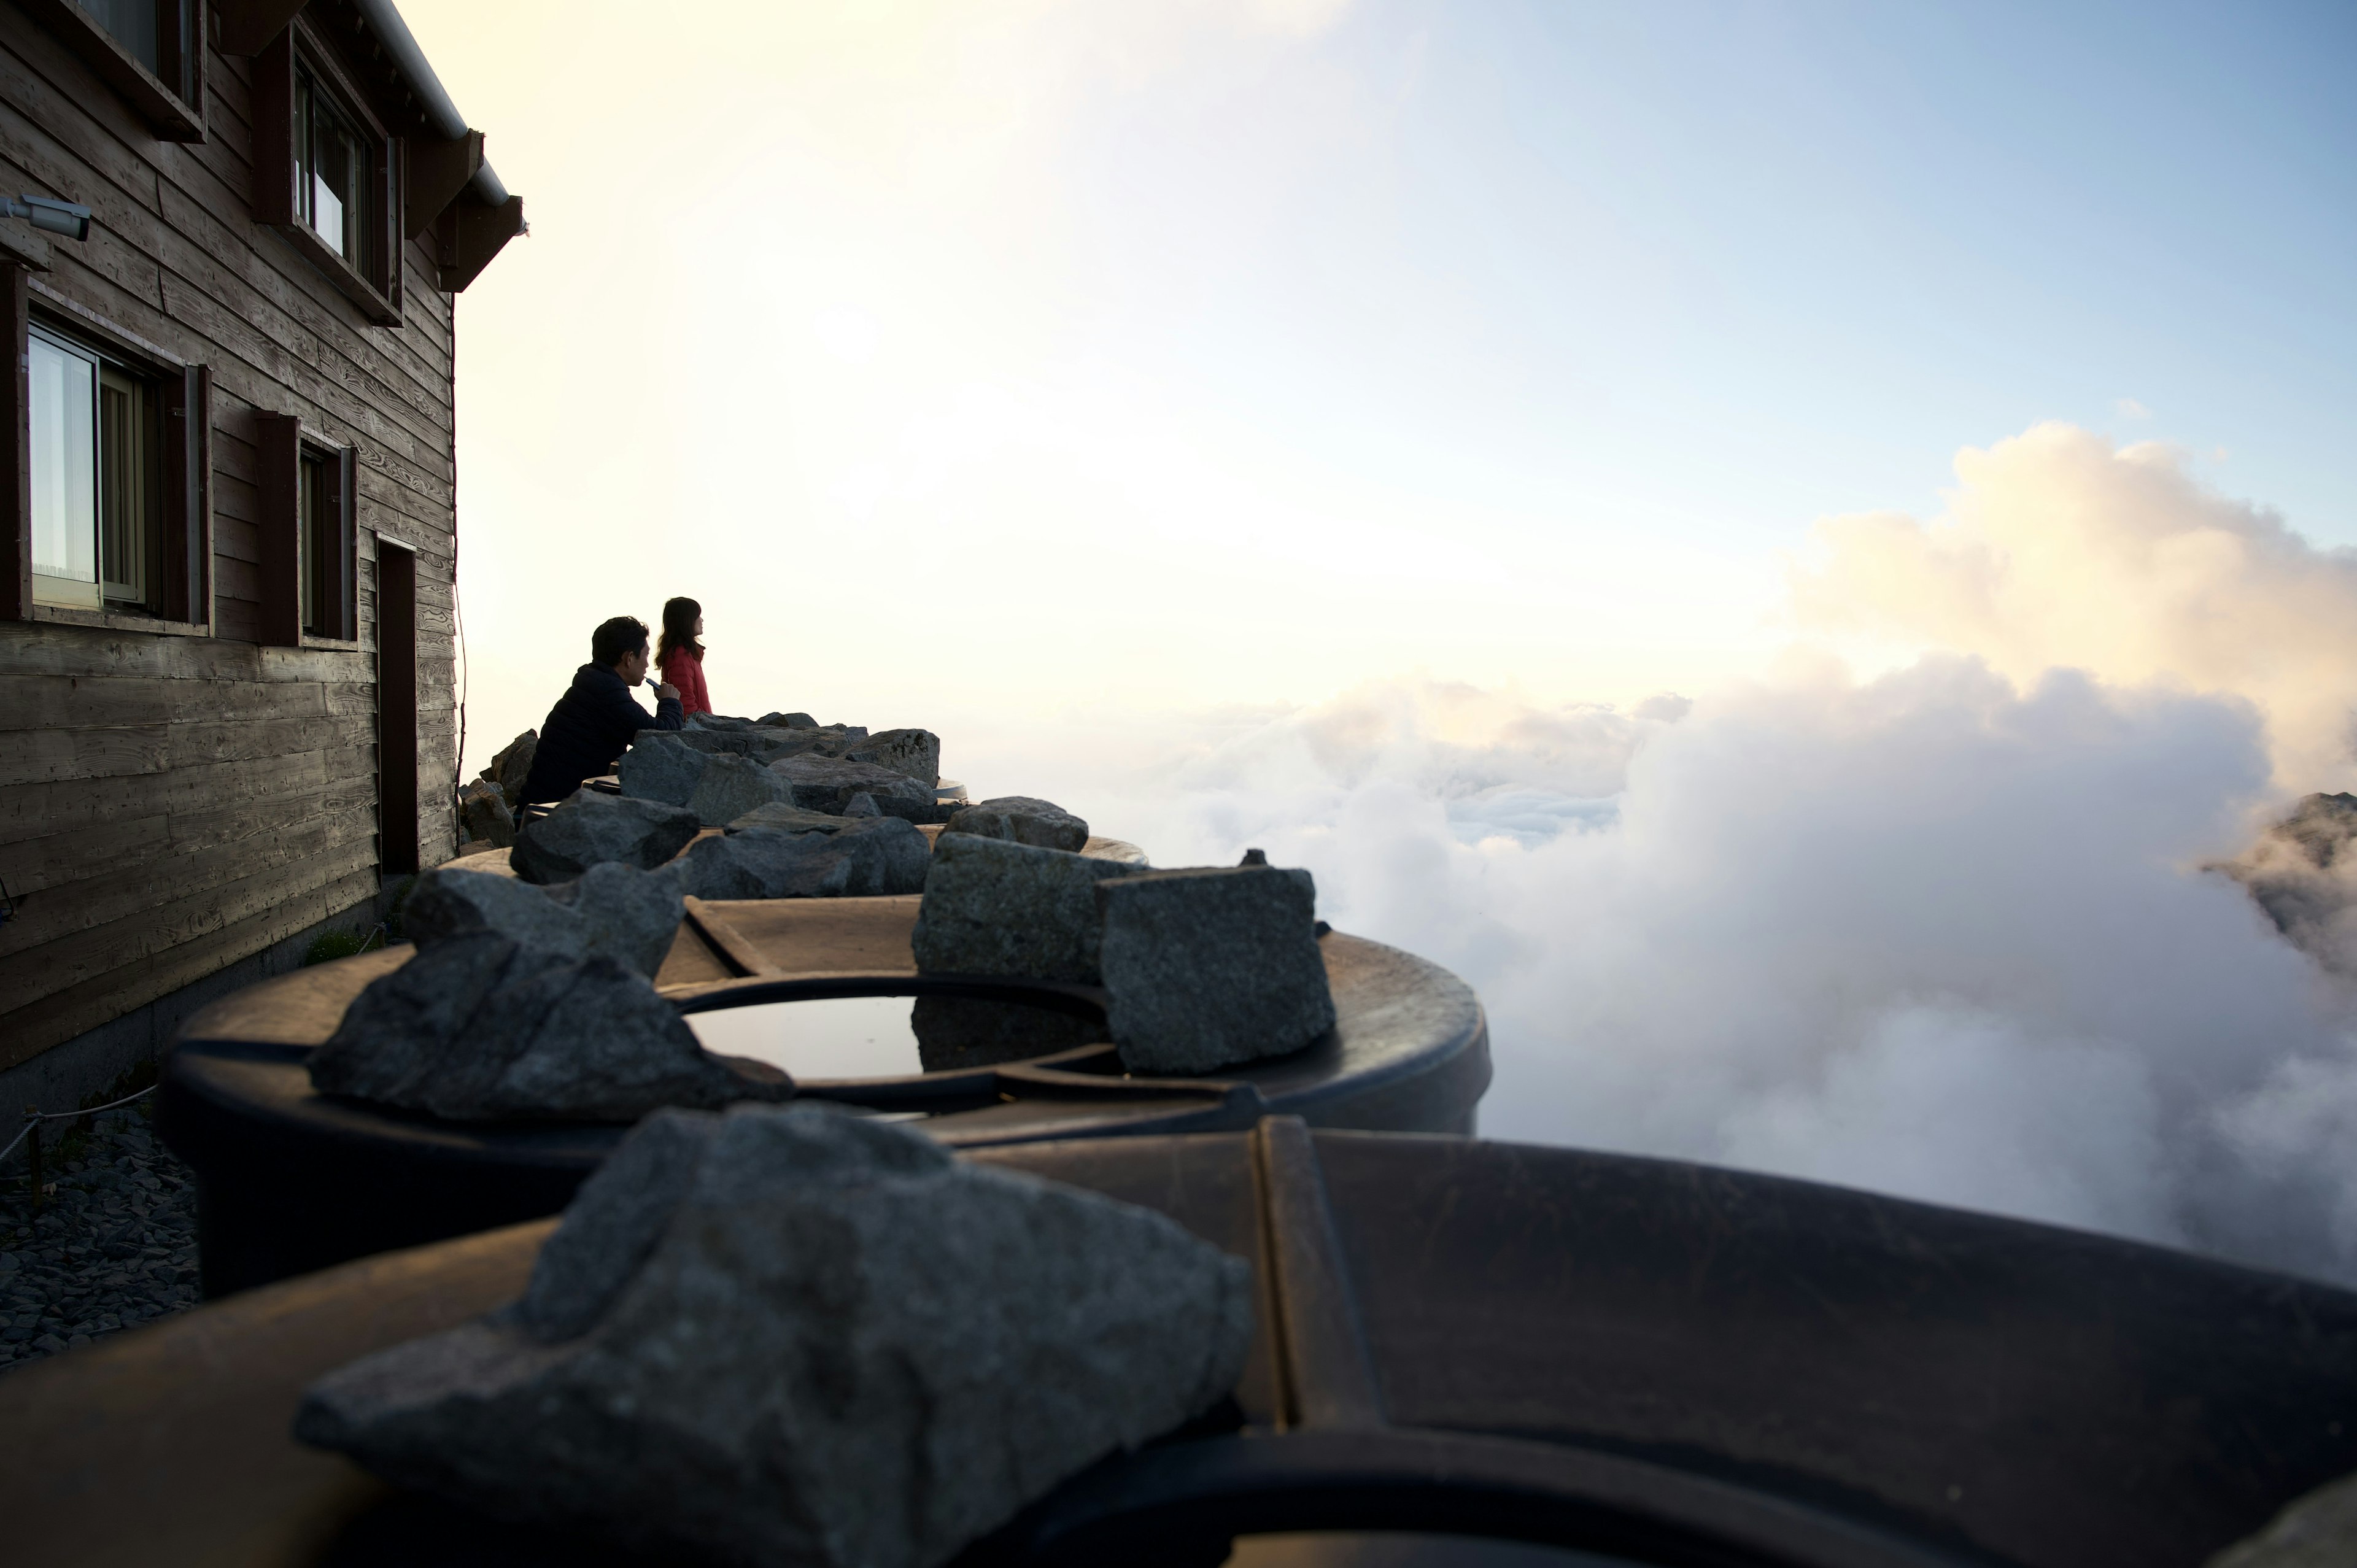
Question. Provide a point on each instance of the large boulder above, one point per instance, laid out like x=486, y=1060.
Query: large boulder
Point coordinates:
x=828, y=783
x=798, y=1337
x=915, y=752
x=512, y=766
x=865, y=857
x=478, y=1027
x=1020, y=819
x=612, y=911
x=1206, y=968
x=994, y=906
x=590, y=828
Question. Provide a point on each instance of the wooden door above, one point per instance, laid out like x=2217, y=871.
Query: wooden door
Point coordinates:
x=396, y=708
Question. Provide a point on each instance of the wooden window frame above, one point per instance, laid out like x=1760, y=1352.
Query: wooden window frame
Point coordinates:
x=174, y=114
x=282, y=445
x=277, y=198
x=182, y=595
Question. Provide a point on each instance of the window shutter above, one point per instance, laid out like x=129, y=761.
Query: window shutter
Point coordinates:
x=187, y=522
x=16, y=452
x=347, y=507
x=274, y=131
x=278, y=452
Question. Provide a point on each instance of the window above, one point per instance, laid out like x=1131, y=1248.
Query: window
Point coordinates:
x=326, y=170
x=308, y=500
x=326, y=543
x=97, y=478
x=150, y=51
x=333, y=166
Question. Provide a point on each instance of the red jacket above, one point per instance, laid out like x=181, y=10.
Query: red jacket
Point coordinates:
x=685, y=670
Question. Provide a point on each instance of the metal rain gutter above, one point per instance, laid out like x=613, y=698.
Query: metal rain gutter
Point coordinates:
x=385, y=24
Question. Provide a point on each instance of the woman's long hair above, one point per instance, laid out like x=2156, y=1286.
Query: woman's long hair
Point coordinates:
x=680, y=616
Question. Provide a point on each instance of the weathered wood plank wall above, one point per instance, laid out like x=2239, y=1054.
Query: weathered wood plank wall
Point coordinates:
x=170, y=803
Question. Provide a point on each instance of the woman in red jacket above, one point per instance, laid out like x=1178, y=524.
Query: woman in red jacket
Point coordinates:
x=680, y=656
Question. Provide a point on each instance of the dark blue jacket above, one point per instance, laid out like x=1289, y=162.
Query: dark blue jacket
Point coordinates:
x=587, y=731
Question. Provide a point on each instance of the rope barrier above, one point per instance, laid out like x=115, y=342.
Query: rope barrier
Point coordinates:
x=35, y=1117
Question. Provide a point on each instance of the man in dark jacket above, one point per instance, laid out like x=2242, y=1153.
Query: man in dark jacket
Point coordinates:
x=592, y=725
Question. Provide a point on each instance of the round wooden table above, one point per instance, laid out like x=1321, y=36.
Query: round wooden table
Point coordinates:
x=1659, y=1362
x=290, y=1180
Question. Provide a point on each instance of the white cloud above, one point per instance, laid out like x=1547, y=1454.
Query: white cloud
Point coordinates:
x=2060, y=550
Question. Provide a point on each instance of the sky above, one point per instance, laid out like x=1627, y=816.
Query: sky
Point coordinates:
x=1777, y=541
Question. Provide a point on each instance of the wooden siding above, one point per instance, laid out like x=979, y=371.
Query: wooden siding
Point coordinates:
x=169, y=802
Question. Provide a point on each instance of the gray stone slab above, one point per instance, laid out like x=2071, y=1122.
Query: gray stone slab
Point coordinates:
x=995, y=907
x=614, y=910
x=865, y=857
x=787, y=818
x=590, y=828
x=1020, y=819
x=732, y=786
x=915, y=752
x=661, y=765
x=828, y=783
x=1207, y=968
x=798, y=1337
x=479, y=1029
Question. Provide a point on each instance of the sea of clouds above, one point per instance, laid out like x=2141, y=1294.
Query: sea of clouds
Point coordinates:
x=1945, y=930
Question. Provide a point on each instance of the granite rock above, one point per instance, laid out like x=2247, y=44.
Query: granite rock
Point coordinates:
x=790, y=818
x=590, y=828
x=484, y=812
x=477, y=1027
x=798, y=1337
x=762, y=745
x=915, y=752
x=614, y=910
x=512, y=766
x=731, y=786
x=1206, y=968
x=788, y=721
x=993, y=907
x=828, y=783
x=1022, y=819
x=864, y=857
x=660, y=765
x=2316, y=1529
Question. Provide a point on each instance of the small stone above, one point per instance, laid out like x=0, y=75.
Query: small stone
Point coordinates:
x=794, y=1336
x=788, y=721
x=993, y=907
x=512, y=766
x=915, y=752
x=828, y=783
x=789, y=819
x=660, y=765
x=619, y=911
x=478, y=1029
x=861, y=805
x=590, y=828
x=1022, y=819
x=1207, y=968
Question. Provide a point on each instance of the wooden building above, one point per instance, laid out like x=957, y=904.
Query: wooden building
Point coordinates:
x=226, y=570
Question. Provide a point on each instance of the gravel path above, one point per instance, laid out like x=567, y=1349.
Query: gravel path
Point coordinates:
x=115, y=1246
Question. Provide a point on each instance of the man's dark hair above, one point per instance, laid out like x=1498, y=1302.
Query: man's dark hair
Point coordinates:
x=623, y=634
